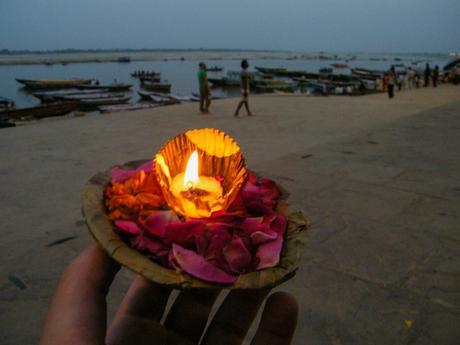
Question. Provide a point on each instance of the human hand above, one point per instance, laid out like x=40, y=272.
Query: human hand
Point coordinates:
x=77, y=314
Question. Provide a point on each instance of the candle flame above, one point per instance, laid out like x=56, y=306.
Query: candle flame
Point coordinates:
x=191, y=171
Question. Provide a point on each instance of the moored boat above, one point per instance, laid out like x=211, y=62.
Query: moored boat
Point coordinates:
x=270, y=70
x=110, y=87
x=53, y=84
x=93, y=103
x=214, y=69
x=52, y=96
x=158, y=87
x=125, y=107
x=41, y=111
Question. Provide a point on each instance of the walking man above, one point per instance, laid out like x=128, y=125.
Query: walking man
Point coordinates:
x=244, y=89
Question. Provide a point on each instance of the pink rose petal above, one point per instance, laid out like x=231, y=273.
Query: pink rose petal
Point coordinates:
x=144, y=242
x=278, y=224
x=147, y=167
x=128, y=226
x=184, y=233
x=120, y=175
x=237, y=255
x=268, y=253
x=198, y=267
x=157, y=222
x=259, y=237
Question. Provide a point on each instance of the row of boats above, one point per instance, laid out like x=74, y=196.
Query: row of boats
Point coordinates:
x=265, y=79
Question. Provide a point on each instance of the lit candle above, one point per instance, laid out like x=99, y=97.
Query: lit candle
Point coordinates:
x=193, y=187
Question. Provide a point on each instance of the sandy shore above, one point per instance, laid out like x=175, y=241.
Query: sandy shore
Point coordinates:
x=356, y=165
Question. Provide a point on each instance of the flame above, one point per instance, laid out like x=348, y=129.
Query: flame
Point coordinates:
x=191, y=171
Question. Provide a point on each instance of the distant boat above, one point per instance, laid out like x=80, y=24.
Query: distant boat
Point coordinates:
x=270, y=70
x=325, y=70
x=142, y=73
x=150, y=78
x=451, y=64
x=124, y=59
x=214, y=69
x=52, y=84
x=110, y=87
x=41, y=111
x=158, y=87
x=339, y=65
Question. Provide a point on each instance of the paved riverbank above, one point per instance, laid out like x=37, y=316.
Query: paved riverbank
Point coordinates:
x=378, y=178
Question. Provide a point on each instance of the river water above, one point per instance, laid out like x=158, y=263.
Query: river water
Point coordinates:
x=181, y=74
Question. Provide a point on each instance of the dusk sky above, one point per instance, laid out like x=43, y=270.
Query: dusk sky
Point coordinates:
x=299, y=25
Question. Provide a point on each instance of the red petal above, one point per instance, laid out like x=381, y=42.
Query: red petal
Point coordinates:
x=278, y=224
x=128, y=226
x=237, y=255
x=143, y=242
x=146, y=167
x=184, y=233
x=157, y=222
x=259, y=237
x=120, y=175
x=198, y=267
x=268, y=253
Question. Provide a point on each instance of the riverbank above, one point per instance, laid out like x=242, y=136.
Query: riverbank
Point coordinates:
x=377, y=178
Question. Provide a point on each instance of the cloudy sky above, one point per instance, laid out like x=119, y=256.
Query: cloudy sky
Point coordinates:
x=300, y=25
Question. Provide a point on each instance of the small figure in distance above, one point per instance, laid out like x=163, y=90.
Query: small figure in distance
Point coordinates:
x=244, y=89
x=435, y=76
x=427, y=75
x=204, y=89
x=392, y=80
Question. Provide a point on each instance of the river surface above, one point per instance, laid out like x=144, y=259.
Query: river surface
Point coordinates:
x=181, y=74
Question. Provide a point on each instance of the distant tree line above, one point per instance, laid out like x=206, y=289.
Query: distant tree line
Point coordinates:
x=71, y=51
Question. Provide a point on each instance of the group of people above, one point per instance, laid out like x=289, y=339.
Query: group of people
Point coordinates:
x=205, y=89
x=407, y=80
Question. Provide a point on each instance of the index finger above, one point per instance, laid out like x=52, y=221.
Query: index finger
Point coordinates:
x=77, y=314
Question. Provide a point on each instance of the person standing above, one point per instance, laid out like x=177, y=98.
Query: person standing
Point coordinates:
x=204, y=89
x=435, y=76
x=427, y=75
x=392, y=80
x=244, y=83
x=410, y=74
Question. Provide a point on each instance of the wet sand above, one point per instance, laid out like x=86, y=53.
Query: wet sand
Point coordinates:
x=378, y=179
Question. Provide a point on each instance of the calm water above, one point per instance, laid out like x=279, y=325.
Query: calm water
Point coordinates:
x=181, y=74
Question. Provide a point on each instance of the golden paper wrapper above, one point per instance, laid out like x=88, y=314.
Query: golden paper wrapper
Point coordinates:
x=219, y=156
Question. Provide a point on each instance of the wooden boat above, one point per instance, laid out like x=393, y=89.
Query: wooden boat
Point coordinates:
x=111, y=87
x=339, y=65
x=156, y=98
x=124, y=59
x=152, y=79
x=325, y=70
x=94, y=103
x=272, y=85
x=41, y=111
x=139, y=74
x=214, y=69
x=78, y=97
x=52, y=96
x=52, y=84
x=158, y=87
x=6, y=124
x=270, y=70
x=125, y=107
